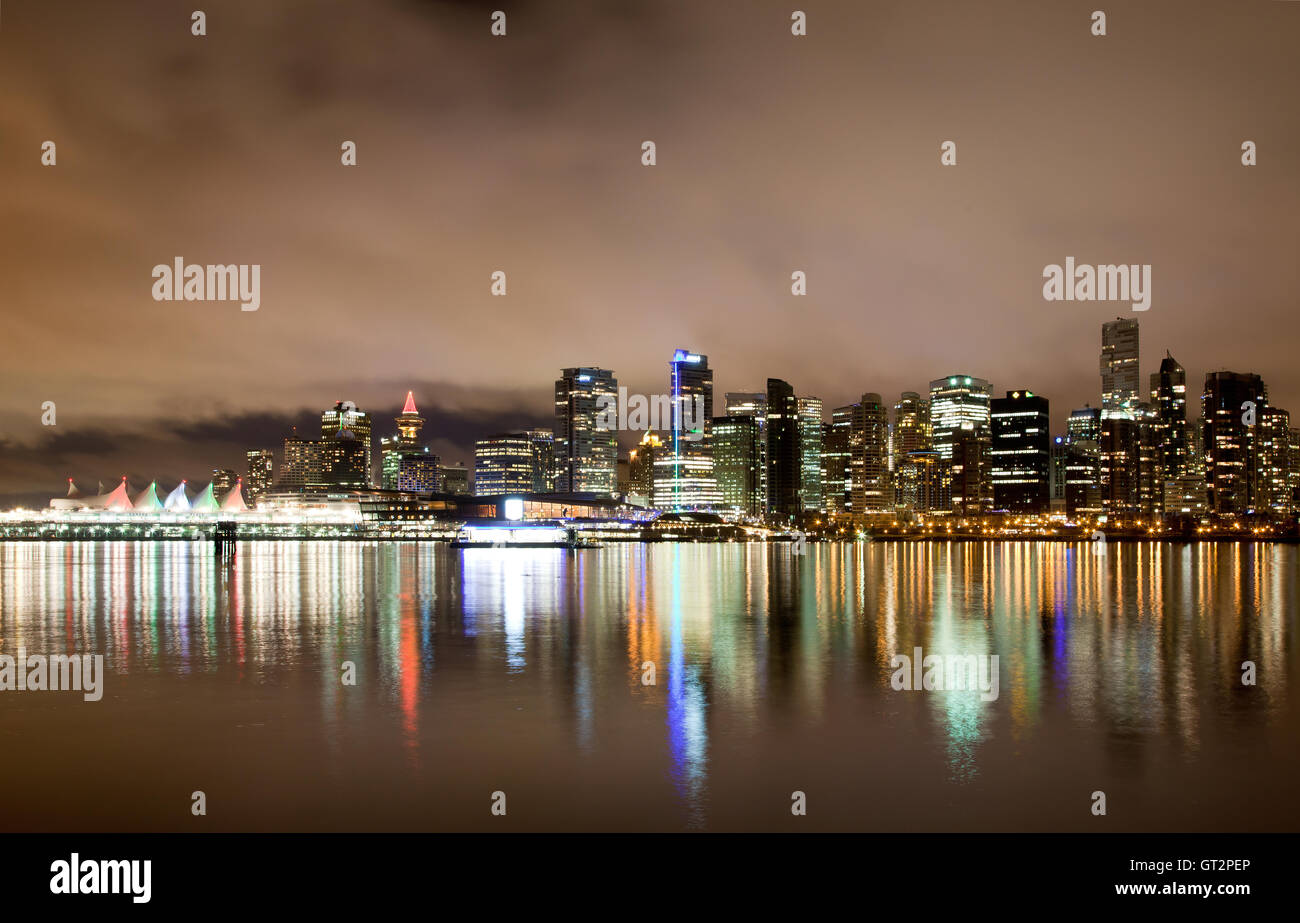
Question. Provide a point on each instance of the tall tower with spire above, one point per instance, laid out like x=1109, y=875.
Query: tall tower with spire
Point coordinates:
x=409, y=422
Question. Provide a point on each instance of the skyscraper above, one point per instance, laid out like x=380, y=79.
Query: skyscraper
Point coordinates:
x=1021, y=453
x=753, y=404
x=1119, y=368
x=684, y=478
x=869, y=456
x=910, y=441
x=810, y=454
x=960, y=404
x=1275, y=461
x=543, y=446
x=836, y=479
x=503, y=464
x=404, y=463
x=641, y=466
x=1231, y=406
x=737, y=463
x=409, y=422
x=783, y=459
x=261, y=471
x=1084, y=425
x=1169, y=401
x=586, y=454
x=345, y=421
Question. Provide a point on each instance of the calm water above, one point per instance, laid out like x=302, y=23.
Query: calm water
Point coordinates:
x=520, y=671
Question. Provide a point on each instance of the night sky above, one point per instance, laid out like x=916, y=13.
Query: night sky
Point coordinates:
x=522, y=154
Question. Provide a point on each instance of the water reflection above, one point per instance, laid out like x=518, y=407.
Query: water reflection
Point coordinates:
x=542, y=653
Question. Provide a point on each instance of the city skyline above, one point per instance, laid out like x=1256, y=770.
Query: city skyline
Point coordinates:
x=382, y=275
x=963, y=450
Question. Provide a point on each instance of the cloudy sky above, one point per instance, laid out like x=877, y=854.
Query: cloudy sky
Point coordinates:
x=522, y=154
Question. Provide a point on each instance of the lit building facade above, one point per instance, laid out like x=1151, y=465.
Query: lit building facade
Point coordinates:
x=1021, y=452
x=586, y=454
x=684, y=475
x=737, y=463
x=810, y=454
x=1119, y=368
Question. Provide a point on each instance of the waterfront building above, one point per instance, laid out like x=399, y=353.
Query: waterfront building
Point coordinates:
x=737, y=463
x=1119, y=368
x=1021, y=453
x=684, y=475
x=586, y=452
x=784, y=462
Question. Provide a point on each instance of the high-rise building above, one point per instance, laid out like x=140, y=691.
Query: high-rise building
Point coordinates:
x=737, y=463
x=409, y=422
x=1169, y=401
x=1056, y=492
x=586, y=453
x=1119, y=368
x=261, y=473
x=1274, y=462
x=455, y=479
x=1083, y=478
x=684, y=477
x=836, y=480
x=869, y=456
x=404, y=463
x=641, y=466
x=543, y=451
x=1119, y=468
x=1231, y=406
x=810, y=454
x=753, y=404
x=784, y=463
x=1084, y=425
x=337, y=423
x=910, y=447
x=223, y=481
x=503, y=464
x=960, y=404
x=1021, y=453
x=971, y=471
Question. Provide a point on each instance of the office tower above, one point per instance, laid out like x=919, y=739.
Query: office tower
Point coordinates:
x=971, y=472
x=1083, y=478
x=1119, y=368
x=346, y=461
x=223, y=481
x=409, y=422
x=455, y=479
x=810, y=454
x=1021, y=452
x=836, y=479
x=1151, y=476
x=753, y=404
x=1119, y=465
x=543, y=451
x=641, y=466
x=737, y=463
x=304, y=464
x=910, y=445
x=1231, y=406
x=404, y=463
x=1056, y=492
x=261, y=471
x=1293, y=468
x=869, y=456
x=783, y=460
x=343, y=418
x=1169, y=401
x=503, y=464
x=586, y=451
x=1084, y=425
x=684, y=478
x=960, y=404
x=1274, y=462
